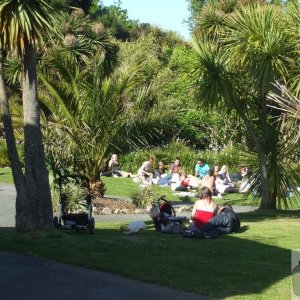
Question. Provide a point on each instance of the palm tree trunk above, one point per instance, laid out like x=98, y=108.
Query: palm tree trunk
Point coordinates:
x=13, y=155
x=39, y=209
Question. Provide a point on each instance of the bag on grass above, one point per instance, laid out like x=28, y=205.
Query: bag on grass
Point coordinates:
x=133, y=227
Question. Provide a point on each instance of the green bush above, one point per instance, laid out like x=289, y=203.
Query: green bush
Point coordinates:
x=145, y=197
x=76, y=198
x=4, y=160
x=233, y=157
x=55, y=196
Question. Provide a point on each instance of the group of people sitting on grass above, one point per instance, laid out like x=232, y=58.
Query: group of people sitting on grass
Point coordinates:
x=218, y=180
x=206, y=219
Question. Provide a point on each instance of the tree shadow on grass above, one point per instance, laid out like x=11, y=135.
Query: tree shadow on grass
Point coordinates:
x=232, y=265
x=5, y=173
x=184, y=199
x=224, y=267
x=261, y=215
x=6, y=229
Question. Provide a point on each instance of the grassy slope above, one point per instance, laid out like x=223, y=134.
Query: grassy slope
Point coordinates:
x=254, y=263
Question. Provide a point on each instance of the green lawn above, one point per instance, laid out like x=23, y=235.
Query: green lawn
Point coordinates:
x=252, y=264
x=6, y=175
x=126, y=187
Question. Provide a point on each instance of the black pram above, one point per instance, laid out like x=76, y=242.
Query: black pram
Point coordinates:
x=164, y=215
x=77, y=220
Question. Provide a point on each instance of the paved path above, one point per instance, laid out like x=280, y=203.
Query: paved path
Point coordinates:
x=7, y=205
x=24, y=277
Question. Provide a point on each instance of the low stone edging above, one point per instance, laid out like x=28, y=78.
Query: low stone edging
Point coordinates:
x=119, y=211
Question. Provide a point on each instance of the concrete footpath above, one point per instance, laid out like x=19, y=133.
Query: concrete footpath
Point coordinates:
x=24, y=277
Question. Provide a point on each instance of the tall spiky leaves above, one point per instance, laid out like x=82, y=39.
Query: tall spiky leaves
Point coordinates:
x=237, y=67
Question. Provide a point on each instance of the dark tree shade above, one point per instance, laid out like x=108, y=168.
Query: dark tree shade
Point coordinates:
x=85, y=5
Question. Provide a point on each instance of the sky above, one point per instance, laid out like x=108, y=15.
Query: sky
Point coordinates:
x=167, y=14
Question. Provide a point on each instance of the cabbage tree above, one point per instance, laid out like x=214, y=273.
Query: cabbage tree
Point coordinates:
x=236, y=69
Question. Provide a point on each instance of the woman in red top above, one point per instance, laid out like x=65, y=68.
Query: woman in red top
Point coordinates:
x=204, y=208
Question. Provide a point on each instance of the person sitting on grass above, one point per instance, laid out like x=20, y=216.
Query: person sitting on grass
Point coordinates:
x=174, y=176
x=224, y=184
x=204, y=209
x=144, y=174
x=114, y=169
x=201, y=169
x=209, y=180
x=159, y=173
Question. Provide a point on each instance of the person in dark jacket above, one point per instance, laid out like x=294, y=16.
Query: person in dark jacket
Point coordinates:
x=226, y=221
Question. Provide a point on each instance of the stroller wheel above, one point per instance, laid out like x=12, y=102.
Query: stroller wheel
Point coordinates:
x=91, y=226
x=55, y=222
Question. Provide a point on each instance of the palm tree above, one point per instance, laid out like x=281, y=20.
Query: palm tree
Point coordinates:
x=22, y=24
x=238, y=67
x=90, y=108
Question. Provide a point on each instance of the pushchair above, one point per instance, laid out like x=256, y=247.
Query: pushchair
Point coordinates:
x=76, y=218
x=164, y=216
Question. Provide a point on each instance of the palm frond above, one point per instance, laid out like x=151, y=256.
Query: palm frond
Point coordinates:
x=211, y=74
x=261, y=42
x=30, y=20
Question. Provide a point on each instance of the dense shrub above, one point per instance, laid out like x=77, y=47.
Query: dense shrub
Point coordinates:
x=230, y=156
x=75, y=195
x=144, y=197
x=4, y=160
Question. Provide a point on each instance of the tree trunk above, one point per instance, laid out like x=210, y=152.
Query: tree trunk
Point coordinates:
x=13, y=155
x=260, y=145
x=39, y=207
x=266, y=202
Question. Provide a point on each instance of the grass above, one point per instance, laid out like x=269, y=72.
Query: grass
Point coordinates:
x=255, y=263
x=252, y=264
x=126, y=187
x=6, y=175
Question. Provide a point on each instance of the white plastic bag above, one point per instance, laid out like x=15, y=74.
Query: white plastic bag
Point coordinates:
x=133, y=227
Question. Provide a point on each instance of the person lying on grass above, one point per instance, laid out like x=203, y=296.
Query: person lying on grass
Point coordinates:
x=226, y=221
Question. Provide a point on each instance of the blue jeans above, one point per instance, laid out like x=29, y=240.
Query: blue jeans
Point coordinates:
x=165, y=180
